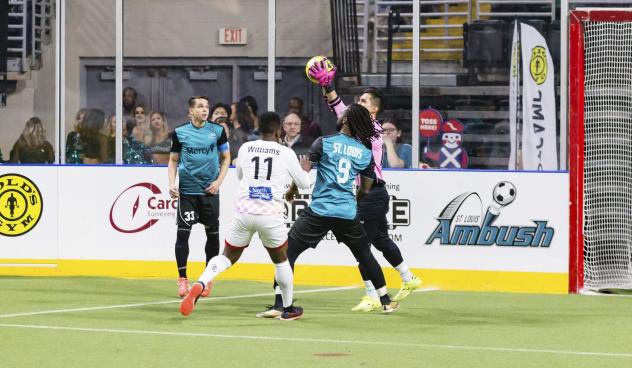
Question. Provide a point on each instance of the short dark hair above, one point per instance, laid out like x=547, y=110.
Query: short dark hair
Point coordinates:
x=269, y=122
x=377, y=95
x=131, y=89
x=297, y=99
x=193, y=98
x=223, y=106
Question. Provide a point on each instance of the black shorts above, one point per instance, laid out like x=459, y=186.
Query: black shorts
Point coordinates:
x=374, y=205
x=372, y=210
x=310, y=228
x=198, y=208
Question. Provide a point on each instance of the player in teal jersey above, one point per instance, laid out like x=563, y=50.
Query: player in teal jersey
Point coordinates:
x=339, y=158
x=194, y=158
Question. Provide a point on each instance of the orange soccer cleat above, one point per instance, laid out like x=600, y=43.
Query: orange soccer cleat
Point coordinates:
x=188, y=303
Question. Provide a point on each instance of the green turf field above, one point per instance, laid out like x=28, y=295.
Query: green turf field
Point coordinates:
x=104, y=322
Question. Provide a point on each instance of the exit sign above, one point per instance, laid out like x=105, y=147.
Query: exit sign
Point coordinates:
x=233, y=36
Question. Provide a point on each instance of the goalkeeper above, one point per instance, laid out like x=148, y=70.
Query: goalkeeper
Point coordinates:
x=373, y=208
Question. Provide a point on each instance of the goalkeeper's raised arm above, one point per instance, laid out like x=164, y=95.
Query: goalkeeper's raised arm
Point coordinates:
x=325, y=78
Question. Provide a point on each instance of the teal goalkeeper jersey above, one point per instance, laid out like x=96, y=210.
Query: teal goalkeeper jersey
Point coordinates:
x=340, y=158
x=199, y=159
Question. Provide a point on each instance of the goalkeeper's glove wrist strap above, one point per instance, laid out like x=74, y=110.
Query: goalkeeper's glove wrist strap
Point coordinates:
x=329, y=88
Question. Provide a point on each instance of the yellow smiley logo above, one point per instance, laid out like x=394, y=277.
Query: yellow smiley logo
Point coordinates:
x=20, y=205
x=538, y=65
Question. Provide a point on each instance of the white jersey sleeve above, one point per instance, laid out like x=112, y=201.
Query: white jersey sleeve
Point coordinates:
x=266, y=168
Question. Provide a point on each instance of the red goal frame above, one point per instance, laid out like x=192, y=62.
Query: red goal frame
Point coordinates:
x=576, y=76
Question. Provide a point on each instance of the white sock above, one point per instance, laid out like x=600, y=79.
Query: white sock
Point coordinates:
x=370, y=289
x=382, y=291
x=285, y=278
x=404, y=272
x=277, y=290
x=216, y=265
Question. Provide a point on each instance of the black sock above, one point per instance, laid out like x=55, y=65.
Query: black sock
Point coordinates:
x=182, y=251
x=385, y=299
x=278, y=300
x=212, y=243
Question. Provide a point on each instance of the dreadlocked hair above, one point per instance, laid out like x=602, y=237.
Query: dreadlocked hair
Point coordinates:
x=361, y=124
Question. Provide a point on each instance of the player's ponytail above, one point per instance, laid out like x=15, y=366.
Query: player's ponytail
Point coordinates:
x=361, y=124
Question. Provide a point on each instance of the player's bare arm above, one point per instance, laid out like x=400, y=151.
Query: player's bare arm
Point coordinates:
x=172, y=170
x=306, y=164
x=214, y=187
x=291, y=193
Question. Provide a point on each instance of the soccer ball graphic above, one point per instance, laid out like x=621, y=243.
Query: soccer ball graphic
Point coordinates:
x=504, y=193
x=316, y=59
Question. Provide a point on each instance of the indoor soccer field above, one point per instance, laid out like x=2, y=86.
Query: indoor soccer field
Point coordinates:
x=108, y=322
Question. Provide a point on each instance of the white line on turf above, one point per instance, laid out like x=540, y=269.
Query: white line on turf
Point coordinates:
x=325, y=341
x=86, y=309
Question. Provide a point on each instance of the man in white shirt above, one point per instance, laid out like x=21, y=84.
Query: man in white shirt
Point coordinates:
x=263, y=166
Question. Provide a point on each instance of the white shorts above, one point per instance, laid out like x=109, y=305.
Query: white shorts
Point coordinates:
x=271, y=229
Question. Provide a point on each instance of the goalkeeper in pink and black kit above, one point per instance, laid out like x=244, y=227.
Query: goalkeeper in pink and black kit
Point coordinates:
x=373, y=208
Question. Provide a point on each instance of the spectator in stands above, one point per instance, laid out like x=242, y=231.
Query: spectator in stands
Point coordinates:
x=129, y=100
x=225, y=123
x=74, y=149
x=141, y=132
x=109, y=131
x=251, y=103
x=134, y=152
x=310, y=128
x=395, y=154
x=32, y=146
x=233, y=113
x=93, y=141
x=242, y=126
x=160, y=144
x=218, y=110
x=292, y=136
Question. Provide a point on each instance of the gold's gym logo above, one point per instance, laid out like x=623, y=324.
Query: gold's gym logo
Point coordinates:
x=20, y=205
x=538, y=64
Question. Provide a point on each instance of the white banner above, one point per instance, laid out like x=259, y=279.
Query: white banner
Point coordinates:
x=539, y=148
x=453, y=220
x=514, y=83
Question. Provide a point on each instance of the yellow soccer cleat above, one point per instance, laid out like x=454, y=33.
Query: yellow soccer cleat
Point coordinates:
x=367, y=304
x=407, y=288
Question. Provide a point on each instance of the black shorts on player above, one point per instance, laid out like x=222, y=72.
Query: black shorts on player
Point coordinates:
x=203, y=209
x=310, y=228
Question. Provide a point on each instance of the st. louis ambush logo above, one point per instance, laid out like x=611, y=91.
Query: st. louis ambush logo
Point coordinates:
x=462, y=222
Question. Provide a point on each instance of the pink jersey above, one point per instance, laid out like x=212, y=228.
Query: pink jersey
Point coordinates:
x=338, y=107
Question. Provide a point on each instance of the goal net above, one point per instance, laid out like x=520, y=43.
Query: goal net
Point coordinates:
x=600, y=122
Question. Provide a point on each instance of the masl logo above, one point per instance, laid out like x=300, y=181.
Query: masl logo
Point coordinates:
x=139, y=207
x=462, y=222
x=20, y=205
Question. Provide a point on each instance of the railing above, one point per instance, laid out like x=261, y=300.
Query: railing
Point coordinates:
x=41, y=14
x=344, y=25
x=29, y=27
x=451, y=15
x=17, y=48
x=533, y=8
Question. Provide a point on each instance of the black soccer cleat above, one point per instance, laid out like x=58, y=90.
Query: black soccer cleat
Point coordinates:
x=291, y=313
